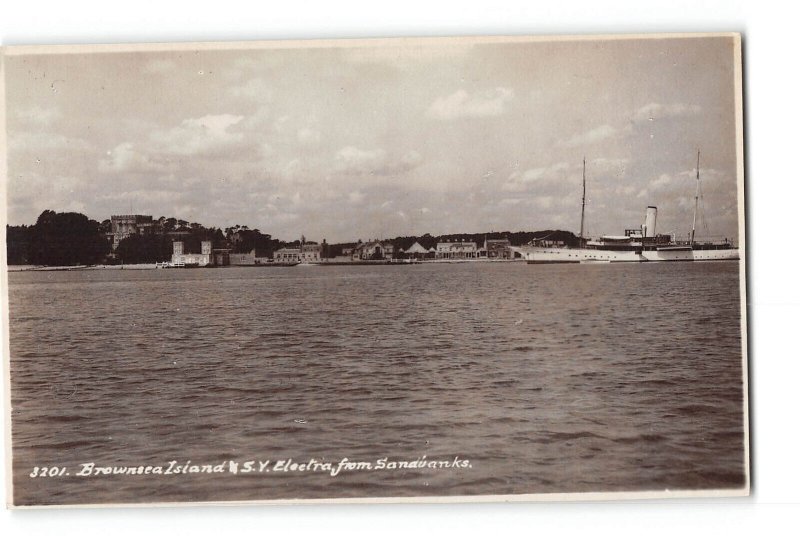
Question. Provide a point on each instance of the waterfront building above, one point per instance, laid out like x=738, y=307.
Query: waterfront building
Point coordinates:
x=311, y=252
x=499, y=248
x=306, y=252
x=287, y=254
x=419, y=252
x=373, y=250
x=123, y=226
x=242, y=259
x=456, y=250
x=221, y=257
x=180, y=258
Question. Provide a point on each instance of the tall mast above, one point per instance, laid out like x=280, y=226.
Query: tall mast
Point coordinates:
x=583, y=201
x=696, y=197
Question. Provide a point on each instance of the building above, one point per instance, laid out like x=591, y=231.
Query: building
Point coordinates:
x=307, y=252
x=221, y=257
x=456, y=250
x=123, y=226
x=499, y=248
x=419, y=252
x=373, y=250
x=242, y=259
x=181, y=259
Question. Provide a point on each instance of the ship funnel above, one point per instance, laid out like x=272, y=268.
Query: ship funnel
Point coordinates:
x=650, y=221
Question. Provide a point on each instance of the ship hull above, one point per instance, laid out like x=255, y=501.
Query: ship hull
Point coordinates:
x=542, y=255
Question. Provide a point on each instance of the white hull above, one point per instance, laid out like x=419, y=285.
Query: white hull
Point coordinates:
x=552, y=255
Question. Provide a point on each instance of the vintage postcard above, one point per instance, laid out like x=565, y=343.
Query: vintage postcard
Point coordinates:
x=313, y=270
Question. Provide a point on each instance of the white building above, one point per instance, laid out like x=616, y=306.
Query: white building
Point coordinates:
x=308, y=252
x=179, y=258
x=456, y=250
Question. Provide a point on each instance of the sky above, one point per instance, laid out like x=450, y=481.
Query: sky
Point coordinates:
x=364, y=140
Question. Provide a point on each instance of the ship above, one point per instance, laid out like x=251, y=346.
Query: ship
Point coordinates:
x=641, y=244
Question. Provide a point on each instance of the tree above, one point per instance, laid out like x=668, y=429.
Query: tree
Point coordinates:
x=149, y=248
x=65, y=239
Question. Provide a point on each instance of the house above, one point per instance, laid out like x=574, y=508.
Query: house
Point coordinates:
x=456, y=250
x=373, y=250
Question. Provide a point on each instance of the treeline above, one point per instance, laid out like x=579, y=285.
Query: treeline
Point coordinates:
x=58, y=239
x=69, y=239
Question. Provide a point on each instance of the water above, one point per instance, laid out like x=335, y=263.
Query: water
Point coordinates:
x=561, y=378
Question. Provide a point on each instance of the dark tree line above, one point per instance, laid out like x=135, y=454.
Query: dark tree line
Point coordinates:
x=58, y=239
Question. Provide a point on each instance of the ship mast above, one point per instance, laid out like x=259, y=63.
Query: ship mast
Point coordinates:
x=696, y=197
x=583, y=201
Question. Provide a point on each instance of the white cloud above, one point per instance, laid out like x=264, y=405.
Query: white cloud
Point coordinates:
x=150, y=196
x=617, y=165
x=595, y=135
x=543, y=175
x=122, y=158
x=661, y=181
x=354, y=161
x=199, y=135
x=654, y=111
x=461, y=104
x=259, y=119
x=44, y=141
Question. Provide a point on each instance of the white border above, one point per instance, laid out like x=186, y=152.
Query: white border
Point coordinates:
x=770, y=121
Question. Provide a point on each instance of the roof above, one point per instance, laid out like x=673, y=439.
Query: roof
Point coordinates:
x=417, y=248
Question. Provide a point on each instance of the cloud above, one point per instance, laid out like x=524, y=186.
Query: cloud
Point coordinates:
x=354, y=161
x=149, y=196
x=661, y=181
x=595, y=135
x=654, y=111
x=609, y=165
x=544, y=175
x=461, y=105
x=200, y=135
x=44, y=141
x=123, y=158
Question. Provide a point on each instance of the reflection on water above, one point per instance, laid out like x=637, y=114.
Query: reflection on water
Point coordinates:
x=547, y=378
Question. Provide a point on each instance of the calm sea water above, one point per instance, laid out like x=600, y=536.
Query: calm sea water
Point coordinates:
x=561, y=378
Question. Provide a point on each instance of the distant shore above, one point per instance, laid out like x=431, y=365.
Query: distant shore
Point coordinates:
x=152, y=266
x=31, y=267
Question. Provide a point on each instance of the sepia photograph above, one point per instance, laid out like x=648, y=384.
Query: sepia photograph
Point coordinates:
x=406, y=269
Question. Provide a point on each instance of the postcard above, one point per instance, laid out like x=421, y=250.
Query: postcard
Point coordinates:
x=424, y=269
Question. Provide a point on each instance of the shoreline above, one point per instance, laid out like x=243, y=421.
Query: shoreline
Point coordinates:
x=152, y=266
